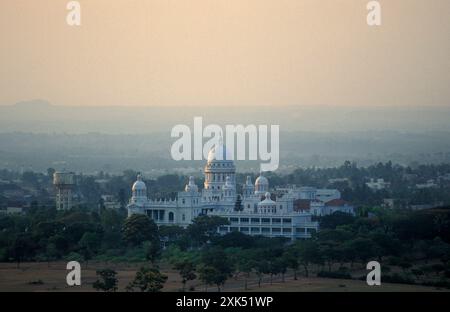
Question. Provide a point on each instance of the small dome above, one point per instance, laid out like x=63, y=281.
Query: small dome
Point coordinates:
x=219, y=152
x=261, y=180
x=139, y=185
x=191, y=187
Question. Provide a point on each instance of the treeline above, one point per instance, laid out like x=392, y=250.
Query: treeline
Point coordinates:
x=412, y=247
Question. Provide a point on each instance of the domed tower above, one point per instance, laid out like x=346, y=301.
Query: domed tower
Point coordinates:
x=139, y=190
x=248, y=189
x=261, y=185
x=218, y=167
x=229, y=190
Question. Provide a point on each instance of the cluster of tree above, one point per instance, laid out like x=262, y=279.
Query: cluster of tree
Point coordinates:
x=44, y=234
x=404, y=239
x=345, y=243
x=148, y=279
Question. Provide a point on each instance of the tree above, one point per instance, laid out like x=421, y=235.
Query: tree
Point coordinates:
x=138, y=229
x=51, y=253
x=215, y=267
x=336, y=219
x=261, y=267
x=212, y=276
x=23, y=248
x=106, y=281
x=171, y=233
x=89, y=244
x=309, y=253
x=186, y=267
x=278, y=266
x=147, y=280
x=291, y=256
x=204, y=228
x=245, y=265
x=238, y=205
x=364, y=249
x=152, y=250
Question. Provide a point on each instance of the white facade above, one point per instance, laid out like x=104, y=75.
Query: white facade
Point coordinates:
x=261, y=215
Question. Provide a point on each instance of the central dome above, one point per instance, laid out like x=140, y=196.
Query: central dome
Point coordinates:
x=219, y=152
x=139, y=185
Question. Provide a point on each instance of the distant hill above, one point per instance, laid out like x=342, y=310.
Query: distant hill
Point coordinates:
x=41, y=116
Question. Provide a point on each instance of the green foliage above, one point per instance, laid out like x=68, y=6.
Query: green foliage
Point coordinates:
x=204, y=228
x=74, y=256
x=186, y=268
x=88, y=245
x=152, y=250
x=106, y=281
x=336, y=219
x=138, y=229
x=215, y=267
x=147, y=280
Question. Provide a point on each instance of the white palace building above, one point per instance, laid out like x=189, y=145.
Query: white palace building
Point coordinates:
x=260, y=213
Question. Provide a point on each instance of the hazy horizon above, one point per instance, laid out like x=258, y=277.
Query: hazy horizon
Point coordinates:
x=43, y=117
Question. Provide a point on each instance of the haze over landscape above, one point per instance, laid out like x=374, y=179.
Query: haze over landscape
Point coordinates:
x=112, y=89
x=36, y=135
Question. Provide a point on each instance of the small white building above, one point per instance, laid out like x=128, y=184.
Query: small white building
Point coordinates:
x=378, y=184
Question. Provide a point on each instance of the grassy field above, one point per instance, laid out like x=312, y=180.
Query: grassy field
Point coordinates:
x=53, y=277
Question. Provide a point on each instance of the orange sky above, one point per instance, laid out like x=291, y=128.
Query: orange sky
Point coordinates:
x=226, y=52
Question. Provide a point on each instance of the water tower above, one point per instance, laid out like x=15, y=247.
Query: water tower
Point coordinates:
x=64, y=183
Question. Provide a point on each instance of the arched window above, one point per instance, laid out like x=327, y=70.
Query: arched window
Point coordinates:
x=171, y=217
